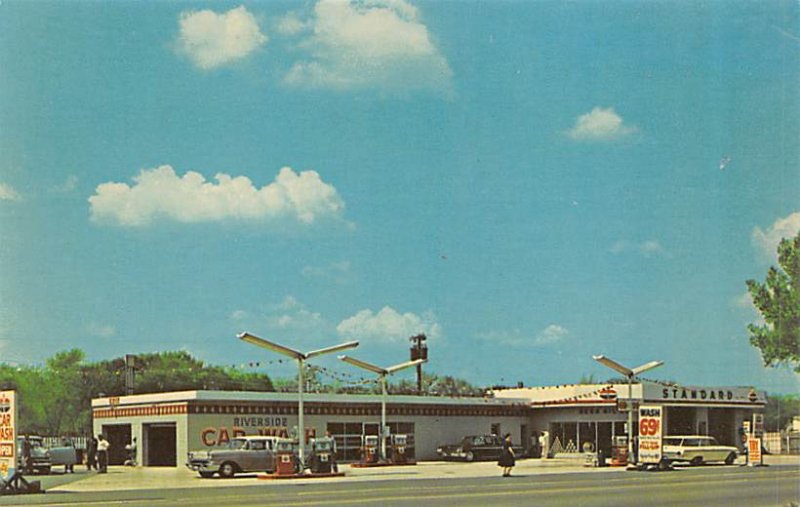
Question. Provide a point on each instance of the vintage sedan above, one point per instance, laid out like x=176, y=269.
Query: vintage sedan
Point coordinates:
x=696, y=450
x=242, y=454
x=476, y=447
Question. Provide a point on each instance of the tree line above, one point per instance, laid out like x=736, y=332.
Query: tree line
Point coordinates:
x=55, y=398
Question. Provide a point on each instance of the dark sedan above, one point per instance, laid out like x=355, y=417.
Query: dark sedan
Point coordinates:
x=476, y=447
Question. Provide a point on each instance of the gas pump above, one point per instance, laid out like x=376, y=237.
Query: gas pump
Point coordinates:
x=321, y=458
x=619, y=451
x=369, y=448
x=399, y=442
x=286, y=460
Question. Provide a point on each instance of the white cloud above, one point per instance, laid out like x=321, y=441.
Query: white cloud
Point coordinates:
x=767, y=241
x=388, y=325
x=648, y=248
x=601, y=124
x=292, y=24
x=552, y=334
x=102, y=330
x=375, y=43
x=7, y=193
x=239, y=315
x=292, y=314
x=70, y=184
x=211, y=40
x=160, y=193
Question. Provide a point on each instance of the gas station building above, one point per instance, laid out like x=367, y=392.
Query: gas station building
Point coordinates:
x=573, y=415
x=169, y=425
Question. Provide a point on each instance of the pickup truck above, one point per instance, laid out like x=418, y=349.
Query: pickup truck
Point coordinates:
x=476, y=447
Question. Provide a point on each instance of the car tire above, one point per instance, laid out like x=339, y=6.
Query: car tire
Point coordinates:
x=469, y=457
x=44, y=470
x=227, y=470
x=730, y=459
x=206, y=475
x=696, y=461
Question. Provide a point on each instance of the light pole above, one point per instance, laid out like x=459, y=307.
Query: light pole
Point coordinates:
x=301, y=358
x=382, y=373
x=629, y=373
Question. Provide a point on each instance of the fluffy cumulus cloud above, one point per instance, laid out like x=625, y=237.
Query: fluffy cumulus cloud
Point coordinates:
x=374, y=43
x=211, y=40
x=294, y=315
x=766, y=241
x=551, y=334
x=161, y=194
x=7, y=193
x=388, y=325
x=600, y=124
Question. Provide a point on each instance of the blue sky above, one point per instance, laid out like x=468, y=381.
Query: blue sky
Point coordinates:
x=529, y=183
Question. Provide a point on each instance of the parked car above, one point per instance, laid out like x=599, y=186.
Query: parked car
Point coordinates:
x=65, y=454
x=40, y=456
x=476, y=447
x=242, y=454
x=696, y=450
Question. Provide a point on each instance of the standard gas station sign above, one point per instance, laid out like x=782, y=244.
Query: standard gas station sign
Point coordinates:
x=8, y=434
x=650, y=432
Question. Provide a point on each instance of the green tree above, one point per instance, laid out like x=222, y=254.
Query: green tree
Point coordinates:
x=62, y=393
x=780, y=410
x=778, y=301
x=436, y=385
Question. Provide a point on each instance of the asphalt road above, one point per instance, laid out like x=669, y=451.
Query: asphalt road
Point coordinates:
x=768, y=486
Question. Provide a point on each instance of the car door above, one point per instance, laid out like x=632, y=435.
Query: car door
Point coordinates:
x=258, y=455
x=715, y=451
x=269, y=461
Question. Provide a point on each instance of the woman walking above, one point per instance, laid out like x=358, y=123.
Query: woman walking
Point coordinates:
x=507, y=460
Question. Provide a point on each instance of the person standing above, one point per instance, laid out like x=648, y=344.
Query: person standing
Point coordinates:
x=27, y=462
x=91, y=453
x=507, y=458
x=102, y=453
x=334, y=465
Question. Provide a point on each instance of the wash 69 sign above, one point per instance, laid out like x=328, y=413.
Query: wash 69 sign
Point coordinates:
x=650, y=432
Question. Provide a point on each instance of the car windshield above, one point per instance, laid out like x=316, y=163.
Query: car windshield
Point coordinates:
x=672, y=441
x=35, y=442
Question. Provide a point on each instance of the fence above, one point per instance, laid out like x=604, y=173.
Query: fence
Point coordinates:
x=77, y=442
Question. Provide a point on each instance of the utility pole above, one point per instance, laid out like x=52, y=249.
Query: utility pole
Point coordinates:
x=419, y=350
x=130, y=373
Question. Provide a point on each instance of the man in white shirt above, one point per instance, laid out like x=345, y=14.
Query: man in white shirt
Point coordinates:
x=102, y=453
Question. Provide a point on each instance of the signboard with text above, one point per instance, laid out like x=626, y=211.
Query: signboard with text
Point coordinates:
x=8, y=434
x=753, y=451
x=650, y=418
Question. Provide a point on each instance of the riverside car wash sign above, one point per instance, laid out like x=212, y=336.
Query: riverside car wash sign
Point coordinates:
x=650, y=432
x=8, y=434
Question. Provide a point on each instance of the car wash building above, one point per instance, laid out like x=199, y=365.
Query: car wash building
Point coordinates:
x=169, y=425
x=572, y=418
x=568, y=417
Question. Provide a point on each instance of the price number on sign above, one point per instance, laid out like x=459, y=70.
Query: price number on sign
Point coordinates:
x=648, y=426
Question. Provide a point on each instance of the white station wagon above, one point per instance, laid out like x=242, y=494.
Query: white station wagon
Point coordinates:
x=696, y=450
